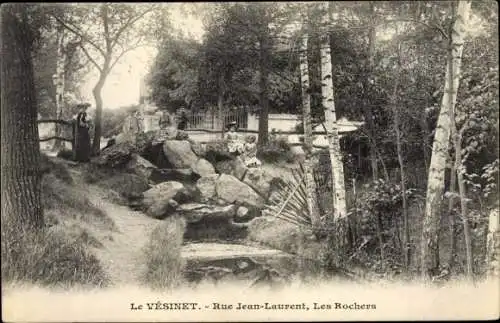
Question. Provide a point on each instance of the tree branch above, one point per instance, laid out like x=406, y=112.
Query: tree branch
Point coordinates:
x=78, y=33
x=90, y=58
x=127, y=24
x=105, y=23
x=123, y=53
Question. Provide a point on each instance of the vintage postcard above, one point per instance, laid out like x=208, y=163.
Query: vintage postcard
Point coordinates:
x=250, y=161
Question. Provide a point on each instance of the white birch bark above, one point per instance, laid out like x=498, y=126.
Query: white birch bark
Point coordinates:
x=308, y=140
x=493, y=244
x=59, y=82
x=435, y=184
x=333, y=136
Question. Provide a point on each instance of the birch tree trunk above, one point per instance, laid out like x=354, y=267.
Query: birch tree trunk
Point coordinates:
x=308, y=140
x=493, y=245
x=59, y=82
x=339, y=203
x=435, y=185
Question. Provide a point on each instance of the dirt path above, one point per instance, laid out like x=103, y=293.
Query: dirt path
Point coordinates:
x=122, y=255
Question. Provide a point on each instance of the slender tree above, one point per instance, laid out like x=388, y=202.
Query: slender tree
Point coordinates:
x=339, y=202
x=107, y=32
x=308, y=140
x=435, y=184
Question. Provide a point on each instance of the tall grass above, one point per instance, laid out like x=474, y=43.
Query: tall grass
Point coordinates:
x=48, y=258
x=57, y=254
x=164, y=264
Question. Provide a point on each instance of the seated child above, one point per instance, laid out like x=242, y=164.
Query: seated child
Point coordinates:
x=250, y=154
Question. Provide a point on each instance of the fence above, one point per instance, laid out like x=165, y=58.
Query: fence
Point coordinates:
x=209, y=119
x=71, y=124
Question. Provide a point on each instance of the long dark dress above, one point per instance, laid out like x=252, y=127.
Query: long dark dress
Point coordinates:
x=82, y=142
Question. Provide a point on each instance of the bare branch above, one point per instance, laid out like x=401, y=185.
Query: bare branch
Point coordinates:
x=128, y=24
x=90, y=58
x=78, y=33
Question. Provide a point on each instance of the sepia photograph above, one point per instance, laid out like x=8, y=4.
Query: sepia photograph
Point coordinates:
x=250, y=161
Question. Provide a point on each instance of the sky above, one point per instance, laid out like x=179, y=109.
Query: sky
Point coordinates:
x=122, y=85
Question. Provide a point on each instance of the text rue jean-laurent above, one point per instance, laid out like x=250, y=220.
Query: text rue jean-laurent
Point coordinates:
x=244, y=307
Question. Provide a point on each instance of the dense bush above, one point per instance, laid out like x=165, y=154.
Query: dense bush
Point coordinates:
x=276, y=150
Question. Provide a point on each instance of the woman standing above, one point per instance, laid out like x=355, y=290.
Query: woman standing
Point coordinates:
x=82, y=136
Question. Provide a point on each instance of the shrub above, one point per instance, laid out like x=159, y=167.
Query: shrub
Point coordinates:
x=48, y=258
x=276, y=150
x=164, y=264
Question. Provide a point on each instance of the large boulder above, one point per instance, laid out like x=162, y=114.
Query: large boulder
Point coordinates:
x=230, y=189
x=140, y=166
x=203, y=168
x=196, y=212
x=179, y=153
x=260, y=180
x=156, y=200
x=116, y=156
x=159, y=175
x=235, y=167
x=129, y=186
x=169, y=133
x=206, y=186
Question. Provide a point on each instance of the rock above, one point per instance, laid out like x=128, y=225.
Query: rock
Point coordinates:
x=182, y=135
x=169, y=133
x=116, y=156
x=140, y=166
x=242, y=212
x=144, y=141
x=230, y=189
x=196, y=212
x=197, y=147
x=206, y=185
x=129, y=186
x=235, y=167
x=179, y=153
x=259, y=180
x=159, y=175
x=189, y=193
x=203, y=168
x=156, y=200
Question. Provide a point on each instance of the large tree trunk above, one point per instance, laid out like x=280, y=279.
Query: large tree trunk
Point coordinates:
x=308, y=140
x=59, y=82
x=340, y=213
x=21, y=176
x=263, y=84
x=435, y=184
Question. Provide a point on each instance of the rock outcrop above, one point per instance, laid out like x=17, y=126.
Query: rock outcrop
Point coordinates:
x=156, y=201
x=231, y=190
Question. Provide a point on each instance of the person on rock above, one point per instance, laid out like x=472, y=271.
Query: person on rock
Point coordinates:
x=82, y=136
x=250, y=154
x=234, y=144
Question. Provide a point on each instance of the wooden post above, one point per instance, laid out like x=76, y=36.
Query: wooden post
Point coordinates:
x=73, y=142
